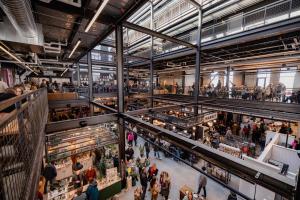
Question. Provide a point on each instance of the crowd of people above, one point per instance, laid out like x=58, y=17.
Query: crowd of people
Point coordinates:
x=157, y=183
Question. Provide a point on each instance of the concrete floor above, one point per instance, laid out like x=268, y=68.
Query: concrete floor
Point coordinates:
x=180, y=174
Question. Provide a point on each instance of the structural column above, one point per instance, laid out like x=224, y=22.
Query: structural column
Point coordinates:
x=198, y=61
x=227, y=77
x=120, y=83
x=152, y=54
x=90, y=75
x=78, y=74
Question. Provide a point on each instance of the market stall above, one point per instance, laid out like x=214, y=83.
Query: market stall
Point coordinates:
x=81, y=155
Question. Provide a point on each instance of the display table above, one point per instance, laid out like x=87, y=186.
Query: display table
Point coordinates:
x=183, y=191
x=65, y=170
x=62, y=96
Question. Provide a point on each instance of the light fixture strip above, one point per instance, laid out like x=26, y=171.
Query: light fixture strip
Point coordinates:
x=96, y=16
x=75, y=47
x=17, y=59
x=11, y=55
x=64, y=72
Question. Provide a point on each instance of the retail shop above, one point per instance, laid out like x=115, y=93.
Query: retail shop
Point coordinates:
x=81, y=155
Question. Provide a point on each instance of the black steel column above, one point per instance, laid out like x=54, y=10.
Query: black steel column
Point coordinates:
x=198, y=61
x=120, y=82
x=152, y=54
x=227, y=77
x=127, y=61
x=78, y=74
x=90, y=75
x=183, y=82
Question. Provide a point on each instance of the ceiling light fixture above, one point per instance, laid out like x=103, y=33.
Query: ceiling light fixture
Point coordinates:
x=64, y=71
x=75, y=47
x=17, y=59
x=96, y=16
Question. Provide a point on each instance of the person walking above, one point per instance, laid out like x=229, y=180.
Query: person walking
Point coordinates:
x=202, y=183
x=153, y=171
x=165, y=185
x=144, y=182
x=92, y=191
x=135, y=136
x=130, y=138
x=49, y=173
x=147, y=148
x=154, y=189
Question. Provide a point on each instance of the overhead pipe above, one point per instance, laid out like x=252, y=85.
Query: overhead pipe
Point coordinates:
x=20, y=15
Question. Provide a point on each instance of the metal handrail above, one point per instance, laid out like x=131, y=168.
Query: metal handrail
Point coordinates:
x=22, y=137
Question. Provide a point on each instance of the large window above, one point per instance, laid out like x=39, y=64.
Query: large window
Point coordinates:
x=263, y=78
x=214, y=78
x=287, y=78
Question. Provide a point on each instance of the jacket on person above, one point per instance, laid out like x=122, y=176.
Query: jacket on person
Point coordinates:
x=202, y=181
x=49, y=172
x=92, y=191
x=144, y=179
x=165, y=188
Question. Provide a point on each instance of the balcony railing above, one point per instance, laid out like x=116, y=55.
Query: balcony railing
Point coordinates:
x=275, y=12
x=22, y=123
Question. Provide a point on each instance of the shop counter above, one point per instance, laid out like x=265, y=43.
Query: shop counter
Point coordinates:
x=107, y=190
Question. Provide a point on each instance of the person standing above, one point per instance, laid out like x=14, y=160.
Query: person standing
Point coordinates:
x=92, y=191
x=49, y=173
x=147, y=148
x=144, y=182
x=202, y=183
x=135, y=136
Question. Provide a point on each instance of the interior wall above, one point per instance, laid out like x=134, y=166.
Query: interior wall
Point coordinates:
x=297, y=81
x=250, y=80
x=237, y=78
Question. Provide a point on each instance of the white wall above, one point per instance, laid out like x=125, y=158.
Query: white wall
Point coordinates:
x=287, y=156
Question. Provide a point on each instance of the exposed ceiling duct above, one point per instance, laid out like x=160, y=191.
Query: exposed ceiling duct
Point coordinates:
x=19, y=26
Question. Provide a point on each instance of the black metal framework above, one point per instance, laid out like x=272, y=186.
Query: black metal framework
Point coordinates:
x=21, y=145
x=120, y=82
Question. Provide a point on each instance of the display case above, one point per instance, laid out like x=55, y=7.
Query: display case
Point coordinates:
x=64, y=144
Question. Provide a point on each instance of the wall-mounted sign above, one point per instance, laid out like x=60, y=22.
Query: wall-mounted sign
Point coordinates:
x=210, y=117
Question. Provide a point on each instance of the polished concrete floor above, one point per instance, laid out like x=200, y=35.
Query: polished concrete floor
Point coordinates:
x=180, y=174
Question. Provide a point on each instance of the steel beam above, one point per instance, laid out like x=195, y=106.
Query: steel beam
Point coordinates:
x=195, y=3
x=157, y=34
x=198, y=60
x=227, y=77
x=90, y=75
x=152, y=53
x=71, y=124
x=65, y=103
x=120, y=82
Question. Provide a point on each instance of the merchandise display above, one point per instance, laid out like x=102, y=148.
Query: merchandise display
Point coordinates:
x=64, y=144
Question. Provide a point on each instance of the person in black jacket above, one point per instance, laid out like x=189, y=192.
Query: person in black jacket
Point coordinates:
x=144, y=182
x=49, y=173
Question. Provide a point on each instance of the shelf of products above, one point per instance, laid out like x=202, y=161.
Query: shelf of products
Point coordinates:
x=230, y=150
x=75, y=141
